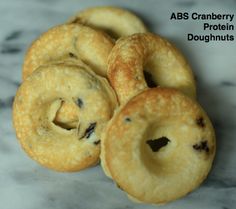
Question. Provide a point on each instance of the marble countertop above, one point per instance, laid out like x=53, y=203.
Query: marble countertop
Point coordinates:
x=25, y=185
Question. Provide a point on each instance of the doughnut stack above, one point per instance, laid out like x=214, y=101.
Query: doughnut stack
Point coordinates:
x=101, y=87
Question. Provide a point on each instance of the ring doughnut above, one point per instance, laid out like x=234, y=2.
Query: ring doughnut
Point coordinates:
x=147, y=55
x=159, y=146
x=115, y=21
x=35, y=107
x=92, y=47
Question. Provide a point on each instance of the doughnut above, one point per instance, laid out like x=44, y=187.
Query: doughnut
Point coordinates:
x=35, y=107
x=159, y=146
x=140, y=57
x=115, y=21
x=75, y=40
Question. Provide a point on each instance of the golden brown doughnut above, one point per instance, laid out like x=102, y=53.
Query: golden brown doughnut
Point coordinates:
x=115, y=21
x=82, y=42
x=159, y=146
x=139, y=53
x=35, y=107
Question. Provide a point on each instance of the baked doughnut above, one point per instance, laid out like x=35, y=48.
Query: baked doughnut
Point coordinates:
x=76, y=40
x=159, y=146
x=115, y=21
x=35, y=107
x=141, y=56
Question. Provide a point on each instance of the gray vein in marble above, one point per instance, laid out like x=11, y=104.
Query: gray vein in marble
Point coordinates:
x=220, y=183
x=13, y=35
x=6, y=103
x=10, y=49
x=186, y=4
x=10, y=81
x=228, y=84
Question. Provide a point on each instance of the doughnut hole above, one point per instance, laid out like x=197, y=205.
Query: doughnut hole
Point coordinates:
x=56, y=113
x=157, y=147
x=166, y=71
x=165, y=143
x=150, y=80
x=174, y=163
x=67, y=115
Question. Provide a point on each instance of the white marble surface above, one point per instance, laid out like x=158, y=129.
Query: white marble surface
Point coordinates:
x=26, y=185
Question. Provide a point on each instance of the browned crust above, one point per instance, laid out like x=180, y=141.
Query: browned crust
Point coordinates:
x=132, y=54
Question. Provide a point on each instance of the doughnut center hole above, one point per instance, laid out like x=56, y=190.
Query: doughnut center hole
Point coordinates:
x=149, y=79
x=67, y=116
x=63, y=125
x=157, y=144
